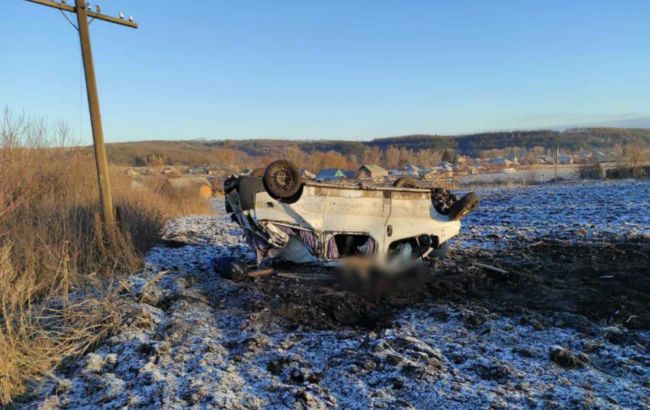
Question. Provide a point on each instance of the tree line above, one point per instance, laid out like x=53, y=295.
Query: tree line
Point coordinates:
x=426, y=150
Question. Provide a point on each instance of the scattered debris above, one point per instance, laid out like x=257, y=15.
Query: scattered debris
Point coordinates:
x=491, y=268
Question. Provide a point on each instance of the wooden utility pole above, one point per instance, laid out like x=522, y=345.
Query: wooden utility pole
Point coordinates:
x=83, y=12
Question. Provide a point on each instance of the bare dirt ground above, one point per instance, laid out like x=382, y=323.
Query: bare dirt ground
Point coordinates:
x=563, y=322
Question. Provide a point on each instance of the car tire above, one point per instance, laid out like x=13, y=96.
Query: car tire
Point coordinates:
x=235, y=271
x=230, y=183
x=441, y=252
x=464, y=206
x=406, y=182
x=282, y=180
x=294, y=197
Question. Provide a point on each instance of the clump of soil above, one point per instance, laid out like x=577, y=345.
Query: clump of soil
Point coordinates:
x=568, y=359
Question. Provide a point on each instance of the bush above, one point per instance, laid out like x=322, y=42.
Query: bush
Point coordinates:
x=591, y=171
x=55, y=263
x=623, y=172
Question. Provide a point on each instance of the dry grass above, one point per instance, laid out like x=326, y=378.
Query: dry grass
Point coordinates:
x=53, y=256
x=37, y=336
x=173, y=204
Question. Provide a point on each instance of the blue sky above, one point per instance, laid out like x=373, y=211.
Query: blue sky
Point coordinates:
x=332, y=69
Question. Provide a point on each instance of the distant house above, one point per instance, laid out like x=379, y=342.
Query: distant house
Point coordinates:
x=424, y=171
x=199, y=170
x=350, y=174
x=512, y=157
x=462, y=159
x=599, y=155
x=501, y=161
x=585, y=155
x=444, y=169
x=330, y=174
x=430, y=173
x=370, y=171
x=411, y=170
x=446, y=166
x=306, y=174
x=565, y=159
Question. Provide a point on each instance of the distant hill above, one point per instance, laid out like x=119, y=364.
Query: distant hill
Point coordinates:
x=199, y=152
x=472, y=144
x=636, y=122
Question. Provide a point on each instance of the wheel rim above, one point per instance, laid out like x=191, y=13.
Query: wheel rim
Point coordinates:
x=283, y=179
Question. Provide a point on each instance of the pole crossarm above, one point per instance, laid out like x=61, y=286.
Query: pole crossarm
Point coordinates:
x=93, y=14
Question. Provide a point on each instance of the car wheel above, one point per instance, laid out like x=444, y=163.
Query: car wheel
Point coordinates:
x=282, y=180
x=405, y=182
x=464, y=206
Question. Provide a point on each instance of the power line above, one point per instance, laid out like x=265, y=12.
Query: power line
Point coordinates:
x=69, y=21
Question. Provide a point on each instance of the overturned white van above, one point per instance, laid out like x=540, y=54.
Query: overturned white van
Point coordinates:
x=287, y=219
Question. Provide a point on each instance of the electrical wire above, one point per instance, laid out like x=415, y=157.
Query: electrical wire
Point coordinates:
x=69, y=21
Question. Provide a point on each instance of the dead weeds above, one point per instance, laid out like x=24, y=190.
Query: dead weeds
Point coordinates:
x=52, y=250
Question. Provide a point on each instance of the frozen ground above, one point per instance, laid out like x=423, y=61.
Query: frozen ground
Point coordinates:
x=580, y=212
x=196, y=340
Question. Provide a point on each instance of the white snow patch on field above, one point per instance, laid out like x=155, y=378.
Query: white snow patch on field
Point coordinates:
x=597, y=211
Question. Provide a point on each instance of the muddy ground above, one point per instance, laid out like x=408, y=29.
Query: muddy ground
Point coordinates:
x=519, y=316
x=608, y=284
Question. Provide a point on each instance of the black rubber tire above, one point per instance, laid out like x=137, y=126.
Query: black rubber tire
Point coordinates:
x=464, y=206
x=295, y=197
x=248, y=187
x=230, y=183
x=235, y=271
x=442, y=200
x=282, y=180
x=405, y=182
x=257, y=172
x=441, y=252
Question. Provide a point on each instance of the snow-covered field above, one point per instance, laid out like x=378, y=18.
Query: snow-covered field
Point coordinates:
x=196, y=340
x=578, y=212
